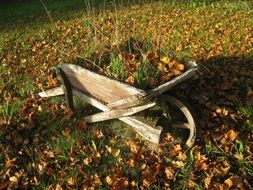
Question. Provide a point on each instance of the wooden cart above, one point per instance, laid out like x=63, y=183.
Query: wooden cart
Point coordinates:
x=122, y=101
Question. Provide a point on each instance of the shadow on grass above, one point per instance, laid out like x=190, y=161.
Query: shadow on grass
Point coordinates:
x=222, y=88
x=17, y=11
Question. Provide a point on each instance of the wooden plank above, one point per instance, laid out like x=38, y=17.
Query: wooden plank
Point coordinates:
x=114, y=114
x=177, y=80
x=97, y=85
x=147, y=132
x=52, y=92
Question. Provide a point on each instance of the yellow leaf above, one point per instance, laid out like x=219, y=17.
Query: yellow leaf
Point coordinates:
x=165, y=59
x=239, y=156
x=13, y=179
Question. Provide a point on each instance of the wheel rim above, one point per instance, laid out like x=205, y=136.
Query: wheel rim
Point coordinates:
x=185, y=112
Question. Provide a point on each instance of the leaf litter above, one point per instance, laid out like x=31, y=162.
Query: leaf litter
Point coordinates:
x=222, y=157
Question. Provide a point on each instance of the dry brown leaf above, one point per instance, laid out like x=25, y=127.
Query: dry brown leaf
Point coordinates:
x=152, y=81
x=4, y=185
x=175, y=150
x=191, y=184
x=201, y=162
x=180, y=67
x=81, y=125
x=67, y=132
x=226, y=85
x=207, y=181
x=126, y=56
x=239, y=156
x=67, y=116
x=99, y=134
x=222, y=112
x=131, y=163
x=228, y=184
x=72, y=181
x=221, y=171
x=178, y=164
x=18, y=140
x=232, y=135
x=114, y=151
x=130, y=80
x=133, y=146
x=169, y=173
x=110, y=179
x=96, y=181
x=87, y=161
x=122, y=183
x=48, y=154
x=176, y=72
x=201, y=165
x=234, y=181
x=152, y=57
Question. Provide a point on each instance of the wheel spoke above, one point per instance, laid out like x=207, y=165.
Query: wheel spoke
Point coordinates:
x=180, y=125
x=177, y=115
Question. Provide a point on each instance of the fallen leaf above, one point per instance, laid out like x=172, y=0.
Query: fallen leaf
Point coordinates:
x=130, y=80
x=180, y=67
x=67, y=116
x=226, y=85
x=4, y=185
x=169, y=172
x=165, y=59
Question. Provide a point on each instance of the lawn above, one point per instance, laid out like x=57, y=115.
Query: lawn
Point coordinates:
x=44, y=146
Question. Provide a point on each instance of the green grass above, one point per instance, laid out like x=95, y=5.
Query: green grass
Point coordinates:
x=9, y=111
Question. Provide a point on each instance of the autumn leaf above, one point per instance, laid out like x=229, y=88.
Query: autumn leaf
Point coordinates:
x=130, y=80
x=152, y=57
x=165, y=59
x=67, y=117
x=126, y=57
x=226, y=85
x=169, y=173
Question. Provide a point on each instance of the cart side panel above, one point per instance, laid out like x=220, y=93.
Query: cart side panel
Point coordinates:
x=98, y=86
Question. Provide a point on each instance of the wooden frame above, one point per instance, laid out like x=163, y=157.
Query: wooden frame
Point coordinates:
x=115, y=99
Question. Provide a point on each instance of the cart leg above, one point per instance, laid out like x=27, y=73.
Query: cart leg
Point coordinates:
x=67, y=89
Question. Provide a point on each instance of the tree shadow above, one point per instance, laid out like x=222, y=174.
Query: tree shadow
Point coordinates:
x=23, y=12
x=223, y=86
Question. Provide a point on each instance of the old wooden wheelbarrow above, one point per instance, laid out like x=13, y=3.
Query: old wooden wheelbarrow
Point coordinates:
x=122, y=101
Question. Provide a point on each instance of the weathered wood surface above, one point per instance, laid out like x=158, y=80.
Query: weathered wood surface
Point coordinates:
x=99, y=90
x=117, y=113
x=147, y=132
x=96, y=85
x=52, y=92
x=190, y=73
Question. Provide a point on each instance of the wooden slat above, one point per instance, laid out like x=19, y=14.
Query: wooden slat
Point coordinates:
x=147, y=132
x=98, y=86
x=52, y=92
x=177, y=80
x=117, y=113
